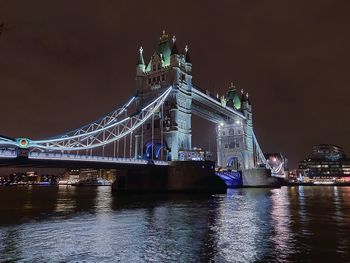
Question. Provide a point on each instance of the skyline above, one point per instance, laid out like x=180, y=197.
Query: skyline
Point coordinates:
x=55, y=50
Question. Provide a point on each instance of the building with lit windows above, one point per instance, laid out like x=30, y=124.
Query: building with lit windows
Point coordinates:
x=328, y=163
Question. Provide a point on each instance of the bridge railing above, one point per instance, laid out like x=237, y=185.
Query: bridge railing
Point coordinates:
x=8, y=153
x=208, y=93
x=208, y=96
x=92, y=158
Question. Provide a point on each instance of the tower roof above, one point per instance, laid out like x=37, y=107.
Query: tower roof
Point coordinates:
x=232, y=86
x=174, y=50
x=164, y=37
x=231, y=91
x=164, y=48
x=163, y=51
x=233, y=96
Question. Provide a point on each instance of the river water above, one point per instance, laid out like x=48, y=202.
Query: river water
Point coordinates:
x=83, y=224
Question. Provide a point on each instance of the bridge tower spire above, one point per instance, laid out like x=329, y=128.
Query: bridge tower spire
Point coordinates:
x=172, y=127
x=140, y=67
x=235, y=137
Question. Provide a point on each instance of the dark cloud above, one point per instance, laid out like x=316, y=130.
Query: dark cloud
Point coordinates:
x=64, y=63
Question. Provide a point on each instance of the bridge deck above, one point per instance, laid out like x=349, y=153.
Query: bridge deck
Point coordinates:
x=211, y=108
x=10, y=158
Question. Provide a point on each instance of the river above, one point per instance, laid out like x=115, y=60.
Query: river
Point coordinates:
x=87, y=224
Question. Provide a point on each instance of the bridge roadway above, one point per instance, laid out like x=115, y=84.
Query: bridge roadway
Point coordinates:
x=61, y=160
x=207, y=106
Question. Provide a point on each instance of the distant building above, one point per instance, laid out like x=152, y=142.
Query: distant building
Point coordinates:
x=196, y=154
x=328, y=151
x=326, y=162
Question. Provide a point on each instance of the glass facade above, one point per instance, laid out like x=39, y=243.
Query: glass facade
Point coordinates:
x=327, y=161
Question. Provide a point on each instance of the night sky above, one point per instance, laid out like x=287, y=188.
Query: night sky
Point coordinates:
x=66, y=63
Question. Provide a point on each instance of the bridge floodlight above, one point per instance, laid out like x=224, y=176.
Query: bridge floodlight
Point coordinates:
x=23, y=142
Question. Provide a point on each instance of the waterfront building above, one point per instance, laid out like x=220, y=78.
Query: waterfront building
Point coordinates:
x=328, y=163
x=76, y=176
x=196, y=154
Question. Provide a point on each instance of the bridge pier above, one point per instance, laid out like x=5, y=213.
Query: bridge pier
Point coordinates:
x=259, y=177
x=189, y=176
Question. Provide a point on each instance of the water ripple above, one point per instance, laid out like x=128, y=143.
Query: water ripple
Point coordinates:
x=67, y=224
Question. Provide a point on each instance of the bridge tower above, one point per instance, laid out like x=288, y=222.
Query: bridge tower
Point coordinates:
x=170, y=130
x=235, y=143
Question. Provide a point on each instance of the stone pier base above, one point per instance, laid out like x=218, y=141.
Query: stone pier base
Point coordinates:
x=184, y=176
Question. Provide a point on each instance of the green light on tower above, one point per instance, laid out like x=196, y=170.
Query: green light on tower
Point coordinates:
x=23, y=142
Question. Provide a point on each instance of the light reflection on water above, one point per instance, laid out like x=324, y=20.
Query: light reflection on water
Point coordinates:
x=72, y=224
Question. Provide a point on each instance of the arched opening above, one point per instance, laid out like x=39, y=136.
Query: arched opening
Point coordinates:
x=233, y=163
x=156, y=151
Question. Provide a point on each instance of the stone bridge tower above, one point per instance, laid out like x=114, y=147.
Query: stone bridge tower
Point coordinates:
x=171, y=131
x=235, y=143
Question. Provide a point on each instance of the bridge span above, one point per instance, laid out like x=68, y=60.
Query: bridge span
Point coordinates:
x=66, y=160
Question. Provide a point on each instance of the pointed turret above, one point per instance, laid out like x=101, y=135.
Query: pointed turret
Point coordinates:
x=140, y=67
x=247, y=98
x=141, y=61
x=187, y=55
x=174, y=50
x=174, y=55
x=242, y=96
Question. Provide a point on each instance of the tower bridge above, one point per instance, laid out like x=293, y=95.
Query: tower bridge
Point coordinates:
x=155, y=124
